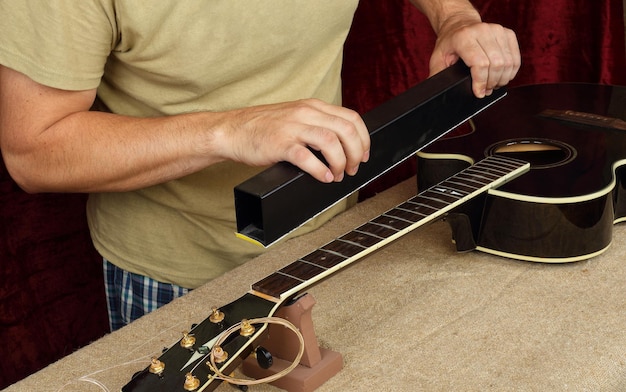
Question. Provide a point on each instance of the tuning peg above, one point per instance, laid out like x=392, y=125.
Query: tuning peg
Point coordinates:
x=216, y=315
x=247, y=329
x=187, y=341
x=264, y=357
x=157, y=367
x=191, y=382
x=219, y=354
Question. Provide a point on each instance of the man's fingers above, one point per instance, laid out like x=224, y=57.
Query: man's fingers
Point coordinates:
x=302, y=157
x=289, y=132
x=351, y=130
x=490, y=50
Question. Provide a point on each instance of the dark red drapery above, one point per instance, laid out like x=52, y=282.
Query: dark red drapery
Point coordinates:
x=561, y=41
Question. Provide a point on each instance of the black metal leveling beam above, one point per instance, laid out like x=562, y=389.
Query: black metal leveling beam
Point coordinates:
x=281, y=198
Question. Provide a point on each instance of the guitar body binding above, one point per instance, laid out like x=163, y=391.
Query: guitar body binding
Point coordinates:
x=562, y=210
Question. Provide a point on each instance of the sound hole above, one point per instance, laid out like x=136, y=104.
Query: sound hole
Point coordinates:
x=540, y=153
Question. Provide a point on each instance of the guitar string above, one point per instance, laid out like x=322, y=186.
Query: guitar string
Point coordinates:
x=143, y=359
x=262, y=320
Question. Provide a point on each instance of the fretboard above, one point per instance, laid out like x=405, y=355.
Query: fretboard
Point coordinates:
x=413, y=213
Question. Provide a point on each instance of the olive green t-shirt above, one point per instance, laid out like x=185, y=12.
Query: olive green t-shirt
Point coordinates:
x=153, y=58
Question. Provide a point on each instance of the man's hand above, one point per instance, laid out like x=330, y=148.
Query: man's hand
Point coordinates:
x=268, y=134
x=490, y=50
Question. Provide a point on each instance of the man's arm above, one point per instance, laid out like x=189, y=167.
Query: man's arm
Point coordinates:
x=50, y=141
x=490, y=50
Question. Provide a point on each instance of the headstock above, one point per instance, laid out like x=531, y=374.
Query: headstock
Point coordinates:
x=183, y=367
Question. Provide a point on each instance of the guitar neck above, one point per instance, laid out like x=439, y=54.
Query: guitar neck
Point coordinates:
x=427, y=206
x=181, y=366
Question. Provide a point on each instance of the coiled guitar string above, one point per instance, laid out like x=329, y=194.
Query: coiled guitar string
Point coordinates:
x=262, y=320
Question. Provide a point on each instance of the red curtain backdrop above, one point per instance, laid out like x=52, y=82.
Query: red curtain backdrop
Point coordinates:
x=51, y=294
x=561, y=41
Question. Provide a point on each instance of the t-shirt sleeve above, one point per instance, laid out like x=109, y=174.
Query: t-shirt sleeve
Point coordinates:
x=58, y=43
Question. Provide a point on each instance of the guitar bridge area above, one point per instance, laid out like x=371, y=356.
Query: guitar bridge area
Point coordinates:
x=583, y=118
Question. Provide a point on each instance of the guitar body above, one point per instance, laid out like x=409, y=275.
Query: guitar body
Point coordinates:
x=564, y=209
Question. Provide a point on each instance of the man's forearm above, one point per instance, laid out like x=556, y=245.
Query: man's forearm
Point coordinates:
x=441, y=12
x=51, y=142
x=102, y=152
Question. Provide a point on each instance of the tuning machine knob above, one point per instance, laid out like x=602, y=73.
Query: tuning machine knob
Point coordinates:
x=191, y=382
x=219, y=354
x=247, y=329
x=216, y=316
x=187, y=341
x=263, y=357
x=156, y=367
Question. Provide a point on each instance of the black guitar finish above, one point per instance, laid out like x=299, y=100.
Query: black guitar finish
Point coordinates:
x=574, y=135
x=180, y=361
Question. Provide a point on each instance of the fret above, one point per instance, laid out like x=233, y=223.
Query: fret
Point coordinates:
x=492, y=169
x=405, y=215
x=439, y=197
x=472, y=180
x=499, y=162
x=436, y=200
x=483, y=176
x=361, y=239
x=430, y=202
x=461, y=187
x=391, y=222
x=449, y=191
x=301, y=269
x=451, y=188
x=324, y=258
x=414, y=212
x=343, y=248
x=369, y=234
x=418, y=208
x=483, y=169
x=275, y=284
x=478, y=173
x=377, y=229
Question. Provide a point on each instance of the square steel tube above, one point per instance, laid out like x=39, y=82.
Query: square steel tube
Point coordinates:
x=281, y=198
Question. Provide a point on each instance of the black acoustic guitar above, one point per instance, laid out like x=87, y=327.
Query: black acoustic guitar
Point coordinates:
x=187, y=365
x=564, y=209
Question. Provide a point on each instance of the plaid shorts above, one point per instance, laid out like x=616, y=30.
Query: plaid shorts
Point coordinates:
x=130, y=296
